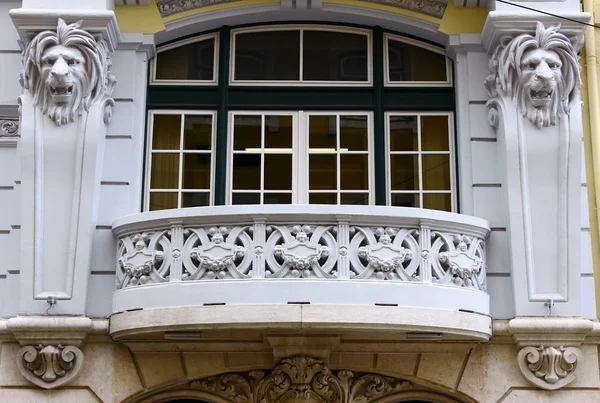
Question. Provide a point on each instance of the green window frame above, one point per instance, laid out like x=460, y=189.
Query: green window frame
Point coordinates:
x=224, y=97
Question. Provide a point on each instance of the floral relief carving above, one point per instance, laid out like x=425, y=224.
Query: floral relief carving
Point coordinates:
x=50, y=366
x=434, y=8
x=142, y=258
x=217, y=253
x=301, y=379
x=217, y=256
x=463, y=262
x=68, y=70
x=301, y=251
x=384, y=254
x=9, y=128
x=550, y=368
x=539, y=72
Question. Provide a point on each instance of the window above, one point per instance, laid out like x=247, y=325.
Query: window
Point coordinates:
x=301, y=55
x=190, y=62
x=180, y=160
x=301, y=157
x=411, y=63
x=420, y=161
x=306, y=114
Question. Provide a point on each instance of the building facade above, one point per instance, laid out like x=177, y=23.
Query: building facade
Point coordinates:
x=299, y=201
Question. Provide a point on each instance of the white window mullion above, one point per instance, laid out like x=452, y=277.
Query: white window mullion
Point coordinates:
x=180, y=179
x=301, y=72
x=420, y=161
x=339, y=158
x=262, y=159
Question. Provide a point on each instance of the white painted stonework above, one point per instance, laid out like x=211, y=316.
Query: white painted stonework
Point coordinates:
x=535, y=107
x=101, y=301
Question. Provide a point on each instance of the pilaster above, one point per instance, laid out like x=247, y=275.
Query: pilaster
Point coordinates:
x=66, y=106
x=535, y=108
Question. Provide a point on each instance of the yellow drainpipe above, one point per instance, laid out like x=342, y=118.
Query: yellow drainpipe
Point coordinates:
x=593, y=103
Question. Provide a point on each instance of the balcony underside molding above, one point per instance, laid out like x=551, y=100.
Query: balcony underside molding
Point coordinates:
x=450, y=325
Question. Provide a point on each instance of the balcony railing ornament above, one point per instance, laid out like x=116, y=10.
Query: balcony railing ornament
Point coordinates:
x=301, y=252
x=217, y=253
x=331, y=252
x=385, y=254
x=465, y=264
x=140, y=260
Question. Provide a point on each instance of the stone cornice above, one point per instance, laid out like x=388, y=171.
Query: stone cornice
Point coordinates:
x=500, y=24
x=31, y=21
x=552, y=332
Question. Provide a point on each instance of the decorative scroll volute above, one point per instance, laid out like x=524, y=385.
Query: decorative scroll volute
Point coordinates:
x=301, y=380
x=550, y=368
x=66, y=71
x=50, y=366
x=539, y=73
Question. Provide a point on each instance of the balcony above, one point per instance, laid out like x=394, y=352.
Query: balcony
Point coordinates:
x=404, y=261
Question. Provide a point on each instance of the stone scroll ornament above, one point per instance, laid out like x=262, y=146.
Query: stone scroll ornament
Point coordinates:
x=550, y=368
x=301, y=379
x=50, y=366
x=67, y=71
x=540, y=73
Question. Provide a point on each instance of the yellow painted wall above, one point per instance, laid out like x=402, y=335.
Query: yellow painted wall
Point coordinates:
x=147, y=19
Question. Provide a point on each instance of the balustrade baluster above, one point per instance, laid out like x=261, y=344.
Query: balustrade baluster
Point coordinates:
x=176, y=269
x=259, y=237
x=343, y=245
x=425, y=250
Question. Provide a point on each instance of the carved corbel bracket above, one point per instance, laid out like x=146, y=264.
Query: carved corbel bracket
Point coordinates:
x=50, y=366
x=550, y=368
x=50, y=355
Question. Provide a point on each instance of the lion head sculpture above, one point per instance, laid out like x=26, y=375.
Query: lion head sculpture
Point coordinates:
x=66, y=71
x=540, y=73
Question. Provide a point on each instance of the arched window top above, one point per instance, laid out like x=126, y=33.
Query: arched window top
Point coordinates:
x=303, y=55
x=409, y=62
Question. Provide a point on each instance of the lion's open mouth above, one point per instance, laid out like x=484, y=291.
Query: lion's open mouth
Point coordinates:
x=541, y=97
x=61, y=90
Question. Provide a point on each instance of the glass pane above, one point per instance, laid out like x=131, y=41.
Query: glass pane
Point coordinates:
x=322, y=198
x=437, y=201
x=434, y=133
x=246, y=132
x=188, y=62
x=322, y=172
x=278, y=198
x=196, y=171
x=246, y=171
x=354, y=172
x=273, y=55
x=405, y=199
x=161, y=201
x=404, y=170
x=353, y=133
x=322, y=134
x=245, y=198
x=404, y=135
x=195, y=199
x=165, y=171
x=335, y=56
x=278, y=132
x=355, y=198
x=436, y=172
x=197, y=132
x=414, y=63
x=278, y=171
x=165, y=132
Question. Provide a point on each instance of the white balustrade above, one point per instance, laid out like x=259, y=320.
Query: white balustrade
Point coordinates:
x=328, y=243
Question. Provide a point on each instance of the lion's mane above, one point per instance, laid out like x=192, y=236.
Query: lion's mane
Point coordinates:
x=508, y=77
x=87, y=87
